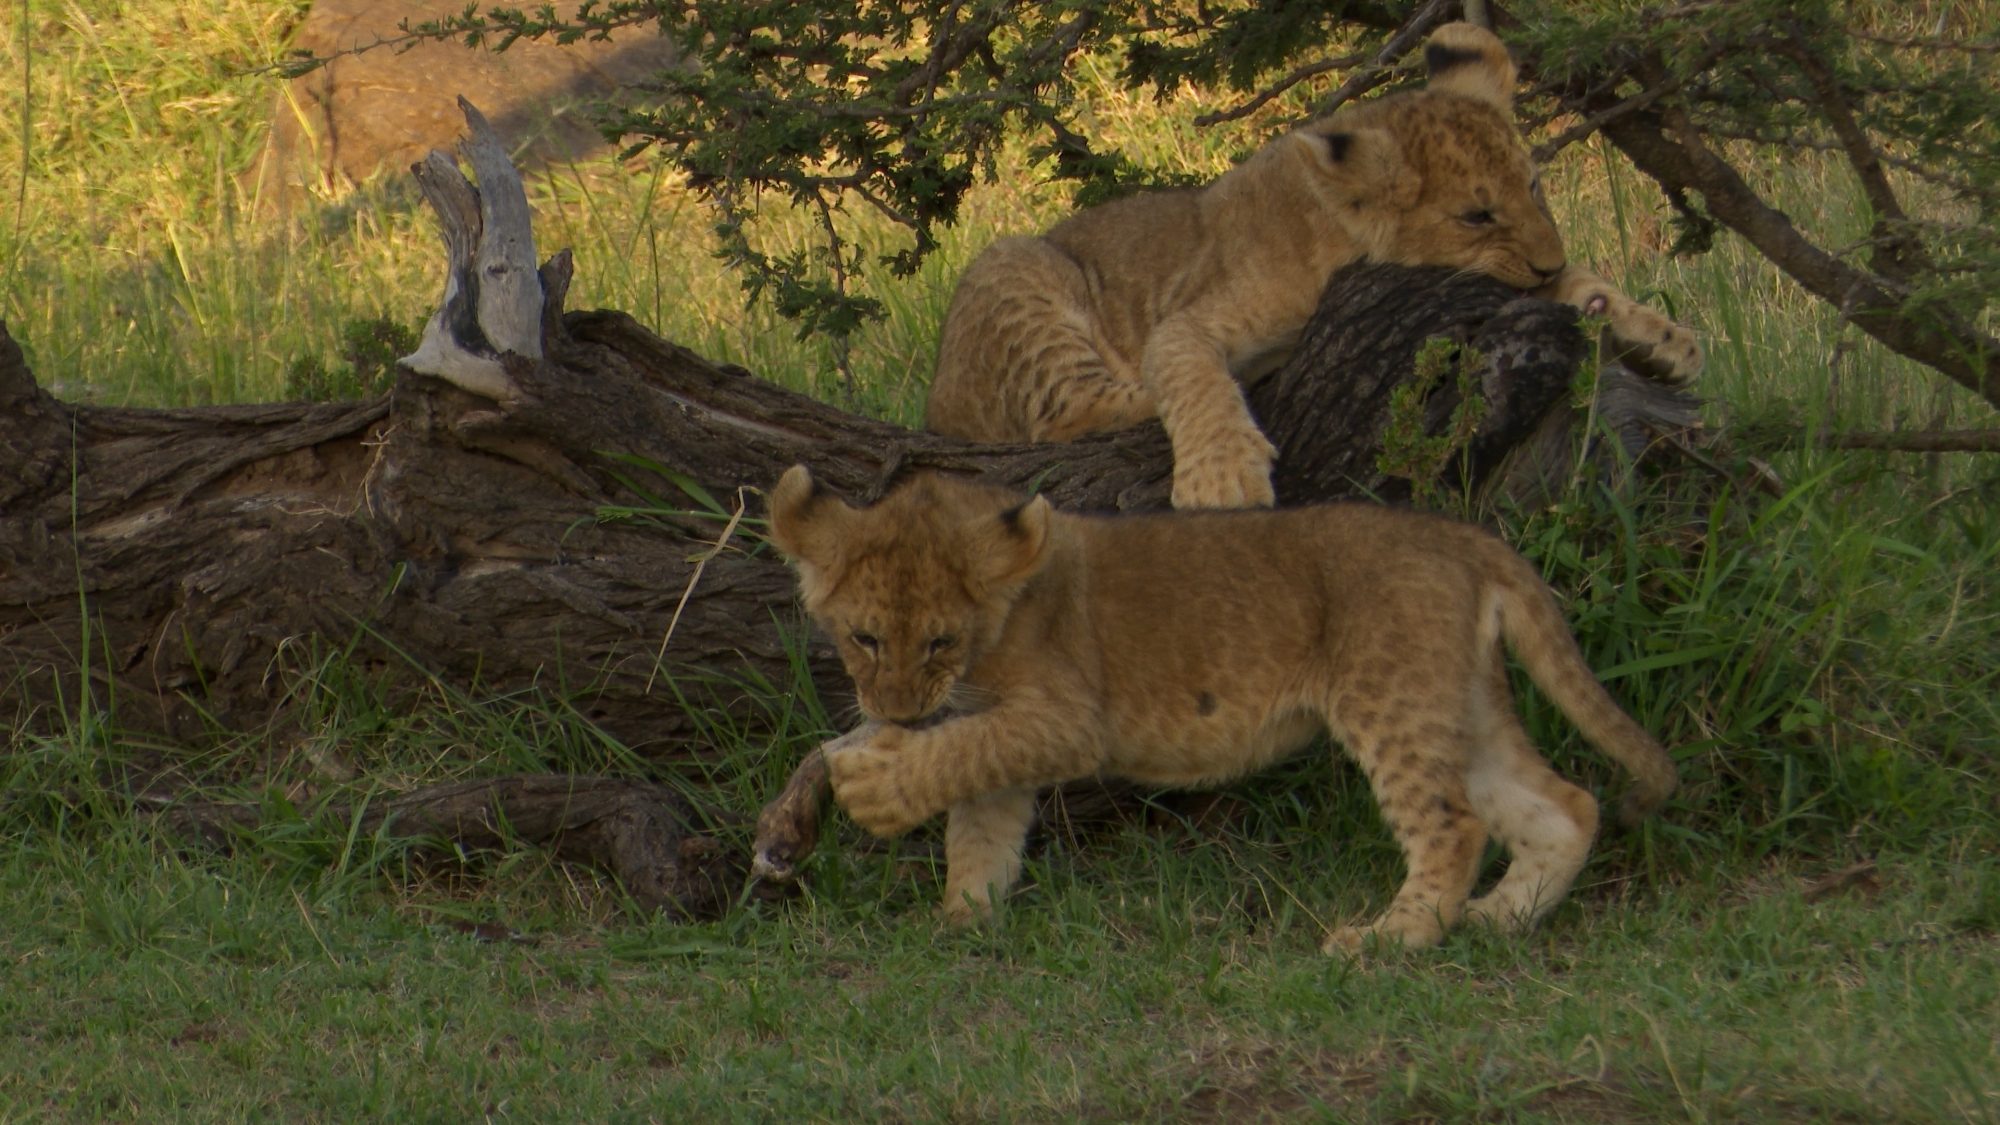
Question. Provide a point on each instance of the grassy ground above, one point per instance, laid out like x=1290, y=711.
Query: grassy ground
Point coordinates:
x=1147, y=977
x=1807, y=933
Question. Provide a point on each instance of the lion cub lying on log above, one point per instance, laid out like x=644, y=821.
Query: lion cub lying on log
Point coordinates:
x=1002, y=646
x=1157, y=304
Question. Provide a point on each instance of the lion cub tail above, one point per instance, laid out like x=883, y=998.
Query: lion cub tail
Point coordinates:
x=1539, y=637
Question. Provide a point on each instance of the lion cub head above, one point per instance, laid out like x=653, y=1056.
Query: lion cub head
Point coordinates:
x=914, y=588
x=1439, y=176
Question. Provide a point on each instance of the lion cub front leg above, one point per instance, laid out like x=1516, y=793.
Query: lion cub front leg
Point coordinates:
x=983, y=838
x=1651, y=343
x=1221, y=458
x=984, y=768
x=870, y=779
x=891, y=779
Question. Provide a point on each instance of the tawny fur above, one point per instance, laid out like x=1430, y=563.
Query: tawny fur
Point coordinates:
x=1184, y=649
x=1160, y=303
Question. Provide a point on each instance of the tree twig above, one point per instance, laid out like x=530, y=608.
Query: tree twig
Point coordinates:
x=1264, y=96
x=1398, y=45
x=1919, y=43
x=1652, y=92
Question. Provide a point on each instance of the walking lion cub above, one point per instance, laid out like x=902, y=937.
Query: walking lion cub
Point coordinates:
x=1158, y=304
x=1000, y=646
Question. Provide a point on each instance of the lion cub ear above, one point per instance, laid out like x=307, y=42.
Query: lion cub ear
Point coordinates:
x=804, y=519
x=1471, y=61
x=1364, y=162
x=1012, y=546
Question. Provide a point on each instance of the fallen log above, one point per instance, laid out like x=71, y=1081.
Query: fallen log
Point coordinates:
x=636, y=830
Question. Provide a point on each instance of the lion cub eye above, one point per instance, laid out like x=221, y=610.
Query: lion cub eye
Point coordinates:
x=1479, y=218
x=942, y=644
x=865, y=641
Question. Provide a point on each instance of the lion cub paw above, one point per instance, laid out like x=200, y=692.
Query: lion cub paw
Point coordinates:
x=868, y=782
x=1648, y=341
x=1638, y=336
x=1384, y=935
x=965, y=911
x=1227, y=472
x=1504, y=913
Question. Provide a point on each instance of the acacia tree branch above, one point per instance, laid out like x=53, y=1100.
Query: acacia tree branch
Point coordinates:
x=1593, y=122
x=1915, y=168
x=1263, y=97
x=1666, y=145
x=1896, y=253
x=953, y=45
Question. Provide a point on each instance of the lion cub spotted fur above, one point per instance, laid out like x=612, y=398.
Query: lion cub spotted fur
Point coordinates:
x=1157, y=304
x=999, y=646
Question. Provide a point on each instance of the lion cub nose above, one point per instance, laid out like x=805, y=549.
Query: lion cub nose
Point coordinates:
x=905, y=709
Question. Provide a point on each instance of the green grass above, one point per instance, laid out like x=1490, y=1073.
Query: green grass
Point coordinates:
x=1146, y=976
x=1823, y=662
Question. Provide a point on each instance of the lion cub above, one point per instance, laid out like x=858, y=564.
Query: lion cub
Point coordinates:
x=1156, y=305
x=1001, y=646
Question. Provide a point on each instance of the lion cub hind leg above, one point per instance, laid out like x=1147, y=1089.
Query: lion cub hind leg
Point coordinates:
x=1545, y=822
x=982, y=852
x=1020, y=359
x=1414, y=758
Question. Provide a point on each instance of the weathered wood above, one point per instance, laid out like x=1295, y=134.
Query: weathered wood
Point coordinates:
x=788, y=828
x=493, y=295
x=636, y=830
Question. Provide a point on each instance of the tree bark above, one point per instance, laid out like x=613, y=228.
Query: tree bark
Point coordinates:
x=189, y=570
